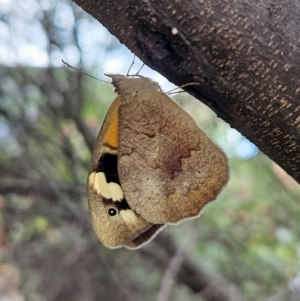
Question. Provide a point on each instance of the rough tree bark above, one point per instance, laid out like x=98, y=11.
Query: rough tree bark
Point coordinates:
x=244, y=54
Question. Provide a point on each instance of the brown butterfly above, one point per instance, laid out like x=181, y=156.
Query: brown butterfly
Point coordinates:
x=151, y=166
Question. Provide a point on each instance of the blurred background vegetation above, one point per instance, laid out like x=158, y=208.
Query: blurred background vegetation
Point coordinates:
x=245, y=245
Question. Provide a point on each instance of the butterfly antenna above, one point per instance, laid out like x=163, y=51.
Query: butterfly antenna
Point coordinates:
x=82, y=72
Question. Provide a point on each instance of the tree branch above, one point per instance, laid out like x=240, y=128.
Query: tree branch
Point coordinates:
x=244, y=55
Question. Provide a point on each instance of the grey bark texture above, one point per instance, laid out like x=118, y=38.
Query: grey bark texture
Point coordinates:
x=245, y=55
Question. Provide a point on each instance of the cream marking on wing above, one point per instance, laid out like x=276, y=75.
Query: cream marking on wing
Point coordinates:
x=109, y=149
x=116, y=191
x=97, y=183
x=93, y=181
x=104, y=190
x=128, y=216
x=108, y=190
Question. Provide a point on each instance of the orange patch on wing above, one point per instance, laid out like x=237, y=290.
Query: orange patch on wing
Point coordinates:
x=110, y=136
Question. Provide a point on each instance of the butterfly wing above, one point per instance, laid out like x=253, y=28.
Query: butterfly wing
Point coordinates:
x=168, y=167
x=114, y=222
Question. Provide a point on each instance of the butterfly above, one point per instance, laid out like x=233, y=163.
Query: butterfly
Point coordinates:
x=151, y=166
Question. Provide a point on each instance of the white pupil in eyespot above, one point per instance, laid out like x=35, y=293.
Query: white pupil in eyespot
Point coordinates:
x=112, y=212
